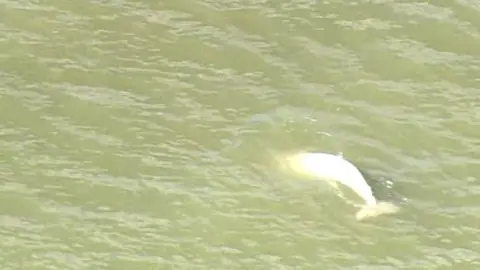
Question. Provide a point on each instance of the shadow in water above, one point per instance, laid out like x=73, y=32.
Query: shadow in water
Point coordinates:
x=384, y=189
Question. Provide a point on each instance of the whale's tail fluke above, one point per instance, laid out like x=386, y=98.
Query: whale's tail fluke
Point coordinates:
x=373, y=210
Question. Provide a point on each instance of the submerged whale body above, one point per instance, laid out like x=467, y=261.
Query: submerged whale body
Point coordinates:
x=336, y=169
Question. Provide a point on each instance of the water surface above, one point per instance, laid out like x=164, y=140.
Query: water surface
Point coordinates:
x=142, y=135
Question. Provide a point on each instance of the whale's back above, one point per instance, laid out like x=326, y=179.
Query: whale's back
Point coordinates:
x=332, y=168
x=335, y=168
x=325, y=166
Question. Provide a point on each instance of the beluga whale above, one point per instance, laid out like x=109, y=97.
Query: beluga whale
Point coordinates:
x=336, y=169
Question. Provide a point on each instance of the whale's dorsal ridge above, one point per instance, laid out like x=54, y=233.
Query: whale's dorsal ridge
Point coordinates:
x=335, y=168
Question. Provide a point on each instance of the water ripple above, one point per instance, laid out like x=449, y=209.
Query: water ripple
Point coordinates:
x=145, y=134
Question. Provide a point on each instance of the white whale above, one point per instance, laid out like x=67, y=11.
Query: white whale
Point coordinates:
x=334, y=169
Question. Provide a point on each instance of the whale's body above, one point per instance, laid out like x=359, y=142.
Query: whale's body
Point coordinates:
x=334, y=168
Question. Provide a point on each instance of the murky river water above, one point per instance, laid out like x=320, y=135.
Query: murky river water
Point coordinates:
x=146, y=134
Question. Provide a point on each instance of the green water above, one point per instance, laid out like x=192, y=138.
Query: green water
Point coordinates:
x=145, y=135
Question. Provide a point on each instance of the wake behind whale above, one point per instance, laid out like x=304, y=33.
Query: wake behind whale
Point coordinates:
x=335, y=169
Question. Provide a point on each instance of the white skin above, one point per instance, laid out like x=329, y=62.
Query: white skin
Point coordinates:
x=334, y=169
